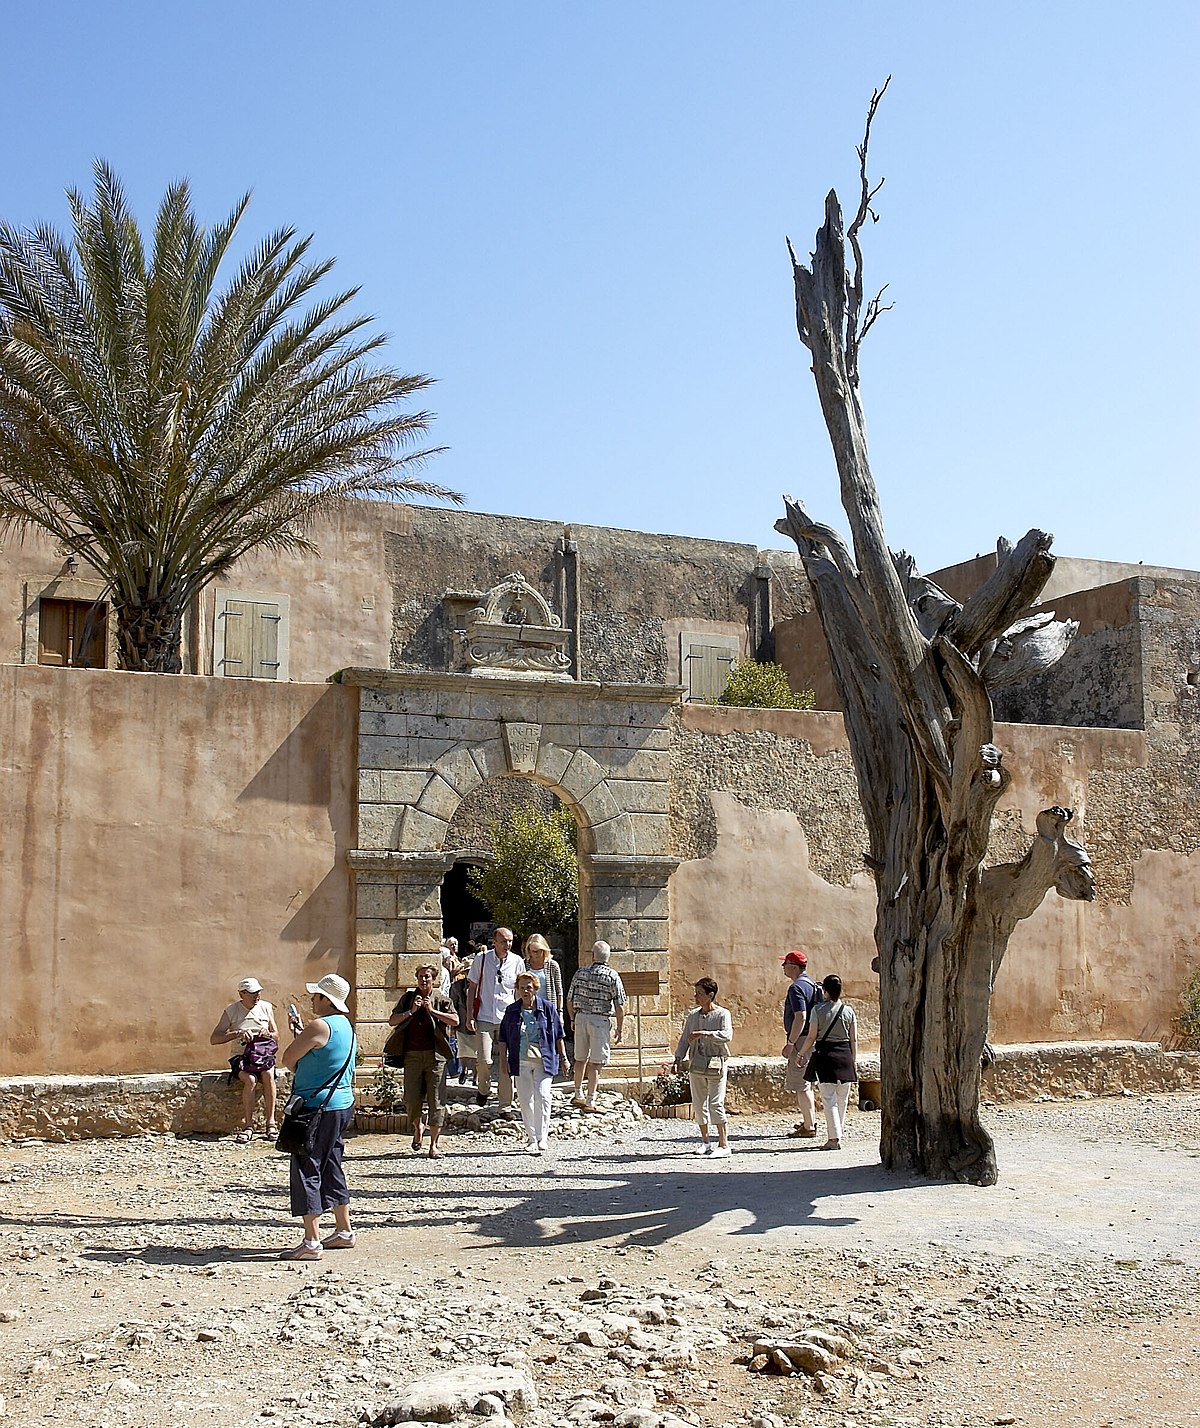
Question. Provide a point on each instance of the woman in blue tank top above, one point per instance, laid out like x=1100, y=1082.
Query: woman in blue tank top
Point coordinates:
x=322, y=1058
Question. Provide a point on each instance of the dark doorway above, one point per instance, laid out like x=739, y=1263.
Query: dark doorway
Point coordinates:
x=462, y=912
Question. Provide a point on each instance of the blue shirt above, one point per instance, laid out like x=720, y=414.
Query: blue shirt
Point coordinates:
x=802, y=996
x=318, y=1067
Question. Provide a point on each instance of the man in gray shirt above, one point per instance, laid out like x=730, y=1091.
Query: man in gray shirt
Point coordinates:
x=594, y=996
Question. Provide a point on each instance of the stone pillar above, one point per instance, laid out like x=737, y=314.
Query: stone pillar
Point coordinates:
x=627, y=898
x=398, y=924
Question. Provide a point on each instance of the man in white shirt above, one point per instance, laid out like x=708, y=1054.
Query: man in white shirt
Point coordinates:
x=492, y=988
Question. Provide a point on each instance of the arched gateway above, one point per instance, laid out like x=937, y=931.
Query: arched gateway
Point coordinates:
x=428, y=740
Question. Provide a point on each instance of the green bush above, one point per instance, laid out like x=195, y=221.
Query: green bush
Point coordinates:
x=755, y=685
x=532, y=885
x=1189, y=1020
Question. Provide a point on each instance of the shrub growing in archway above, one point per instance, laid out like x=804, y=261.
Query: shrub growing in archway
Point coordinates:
x=532, y=884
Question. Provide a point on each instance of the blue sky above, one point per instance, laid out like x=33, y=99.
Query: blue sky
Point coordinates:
x=573, y=216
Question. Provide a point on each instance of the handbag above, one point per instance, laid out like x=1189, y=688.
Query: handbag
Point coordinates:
x=816, y=1063
x=298, y=1129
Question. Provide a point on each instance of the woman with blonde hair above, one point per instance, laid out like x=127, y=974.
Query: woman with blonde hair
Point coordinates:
x=540, y=961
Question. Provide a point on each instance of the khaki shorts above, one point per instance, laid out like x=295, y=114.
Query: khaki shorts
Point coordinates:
x=593, y=1038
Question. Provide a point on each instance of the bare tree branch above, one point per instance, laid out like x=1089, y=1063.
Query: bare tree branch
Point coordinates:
x=854, y=332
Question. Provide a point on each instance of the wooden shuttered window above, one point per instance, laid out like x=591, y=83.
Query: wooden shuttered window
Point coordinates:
x=706, y=665
x=72, y=633
x=251, y=643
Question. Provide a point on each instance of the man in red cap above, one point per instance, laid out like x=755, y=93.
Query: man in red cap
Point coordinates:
x=802, y=996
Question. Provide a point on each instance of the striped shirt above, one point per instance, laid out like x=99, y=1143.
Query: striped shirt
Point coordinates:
x=596, y=990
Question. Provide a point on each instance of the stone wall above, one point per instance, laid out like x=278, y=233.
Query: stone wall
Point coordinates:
x=766, y=821
x=166, y=836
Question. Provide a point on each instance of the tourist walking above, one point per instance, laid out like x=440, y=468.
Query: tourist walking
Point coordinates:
x=424, y=1021
x=493, y=988
x=704, y=1045
x=460, y=994
x=322, y=1058
x=802, y=995
x=538, y=959
x=250, y=1022
x=536, y=1051
x=832, y=1041
x=596, y=995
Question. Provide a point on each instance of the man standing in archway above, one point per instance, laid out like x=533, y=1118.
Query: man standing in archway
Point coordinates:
x=492, y=982
x=595, y=995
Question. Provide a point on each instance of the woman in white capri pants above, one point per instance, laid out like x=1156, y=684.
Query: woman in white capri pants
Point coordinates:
x=705, y=1043
x=833, y=1041
x=531, y=1034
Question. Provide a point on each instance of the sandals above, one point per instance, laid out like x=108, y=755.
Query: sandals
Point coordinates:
x=416, y=1142
x=801, y=1134
x=434, y=1153
x=832, y=1145
x=244, y=1136
x=272, y=1131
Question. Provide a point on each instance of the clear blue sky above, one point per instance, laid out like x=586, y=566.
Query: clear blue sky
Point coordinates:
x=573, y=216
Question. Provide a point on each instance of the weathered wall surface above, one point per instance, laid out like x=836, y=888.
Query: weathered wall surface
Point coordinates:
x=165, y=836
x=768, y=823
x=635, y=591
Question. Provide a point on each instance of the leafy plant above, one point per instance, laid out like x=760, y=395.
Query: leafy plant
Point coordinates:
x=532, y=884
x=160, y=428
x=669, y=1088
x=385, y=1088
x=755, y=684
x=1189, y=1019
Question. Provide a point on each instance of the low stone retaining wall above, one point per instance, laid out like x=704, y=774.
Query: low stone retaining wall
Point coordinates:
x=91, y=1107
x=62, y=1108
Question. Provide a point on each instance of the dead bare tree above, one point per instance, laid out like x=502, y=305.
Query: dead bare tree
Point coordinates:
x=915, y=669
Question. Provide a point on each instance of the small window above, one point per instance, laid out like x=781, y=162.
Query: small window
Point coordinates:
x=71, y=633
x=706, y=661
x=250, y=639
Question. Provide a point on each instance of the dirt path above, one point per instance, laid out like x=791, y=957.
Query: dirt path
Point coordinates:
x=139, y=1284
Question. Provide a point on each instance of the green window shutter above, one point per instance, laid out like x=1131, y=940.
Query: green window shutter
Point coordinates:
x=707, y=671
x=264, y=645
x=238, y=621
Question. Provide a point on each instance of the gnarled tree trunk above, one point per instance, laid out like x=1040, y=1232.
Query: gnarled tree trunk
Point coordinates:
x=914, y=669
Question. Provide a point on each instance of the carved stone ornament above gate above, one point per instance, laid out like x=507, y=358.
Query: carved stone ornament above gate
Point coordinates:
x=515, y=632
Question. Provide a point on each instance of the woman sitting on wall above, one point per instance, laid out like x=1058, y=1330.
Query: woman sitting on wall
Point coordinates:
x=251, y=1023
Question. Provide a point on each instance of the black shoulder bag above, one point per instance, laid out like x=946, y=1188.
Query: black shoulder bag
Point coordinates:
x=298, y=1128
x=816, y=1062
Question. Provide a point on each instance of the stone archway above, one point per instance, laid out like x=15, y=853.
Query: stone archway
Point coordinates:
x=426, y=741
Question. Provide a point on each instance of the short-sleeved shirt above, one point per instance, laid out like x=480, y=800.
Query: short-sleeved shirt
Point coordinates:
x=497, y=983
x=825, y=1016
x=802, y=996
x=596, y=990
x=254, y=1021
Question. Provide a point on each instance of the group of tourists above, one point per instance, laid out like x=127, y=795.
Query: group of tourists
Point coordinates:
x=511, y=1012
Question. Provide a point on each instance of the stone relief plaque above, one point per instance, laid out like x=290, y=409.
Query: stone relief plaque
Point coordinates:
x=515, y=632
x=521, y=744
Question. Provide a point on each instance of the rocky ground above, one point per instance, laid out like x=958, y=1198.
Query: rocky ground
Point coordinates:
x=618, y=1279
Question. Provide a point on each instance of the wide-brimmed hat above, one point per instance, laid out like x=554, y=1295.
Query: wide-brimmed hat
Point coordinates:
x=335, y=988
x=249, y=984
x=794, y=959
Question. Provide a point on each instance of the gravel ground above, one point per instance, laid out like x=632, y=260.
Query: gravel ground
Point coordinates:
x=627, y=1278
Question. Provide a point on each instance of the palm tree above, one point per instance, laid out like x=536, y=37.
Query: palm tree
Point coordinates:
x=160, y=429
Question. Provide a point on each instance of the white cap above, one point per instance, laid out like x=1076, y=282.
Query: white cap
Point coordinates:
x=336, y=988
x=249, y=984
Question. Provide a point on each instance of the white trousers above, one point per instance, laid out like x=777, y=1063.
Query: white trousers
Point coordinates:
x=708, y=1097
x=489, y=1044
x=835, y=1097
x=533, y=1091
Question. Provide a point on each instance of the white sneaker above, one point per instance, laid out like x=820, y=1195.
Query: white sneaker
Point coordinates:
x=705, y=1148
x=543, y=1145
x=533, y=1148
x=721, y=1152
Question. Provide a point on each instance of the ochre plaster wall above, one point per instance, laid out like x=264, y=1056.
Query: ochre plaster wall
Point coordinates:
x=764, y=814
x=165, y=836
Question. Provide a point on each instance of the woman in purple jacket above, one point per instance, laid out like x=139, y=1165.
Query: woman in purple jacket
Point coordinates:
x=532, y=1036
